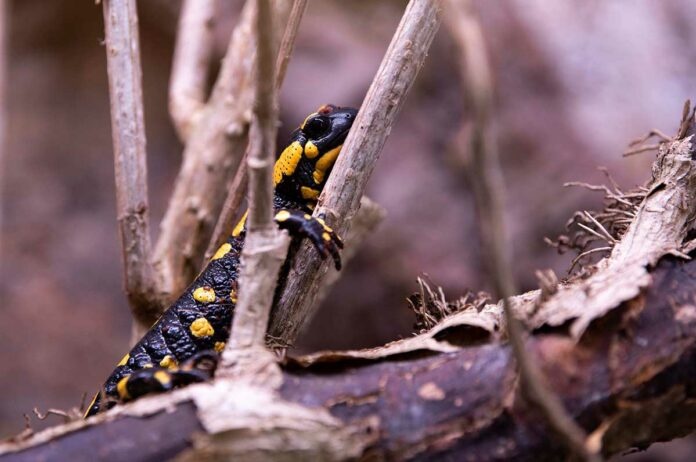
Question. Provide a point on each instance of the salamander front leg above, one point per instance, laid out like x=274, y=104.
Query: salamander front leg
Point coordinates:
x=324, y=239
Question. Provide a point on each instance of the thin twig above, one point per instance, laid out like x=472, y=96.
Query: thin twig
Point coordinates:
x=265, y=247
x=652, y=133
x=128, y=133
x=192, y=54
x=593, y=232
x=609, y=193
x=288, y=43
x=488, y=185
x=611, y=179
x=640, y=149
x=577, y=259
x=601, y=227
x=346, y=184
x=237, y=190
x=3, y=105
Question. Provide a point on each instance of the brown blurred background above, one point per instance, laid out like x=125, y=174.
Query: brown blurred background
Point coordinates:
x=576, y=81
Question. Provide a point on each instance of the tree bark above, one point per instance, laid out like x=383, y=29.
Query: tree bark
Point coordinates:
x=629, y=382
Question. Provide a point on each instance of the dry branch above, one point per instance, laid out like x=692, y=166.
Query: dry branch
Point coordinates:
x=238, y=188
x=485, y=174
x=341, y=196
x=287, y=44
x=265, y=246
x=128, y=133
x=192, y=55
x=213, y=153
x=659, y=228
x=3, y=105
x=447, y=393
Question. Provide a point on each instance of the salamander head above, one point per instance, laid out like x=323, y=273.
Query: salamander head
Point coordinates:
x=328, y=127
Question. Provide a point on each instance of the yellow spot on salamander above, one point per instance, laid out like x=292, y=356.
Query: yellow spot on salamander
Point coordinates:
x=162, y=377
x=219, y=346
x=233, y=296
x=307, y=216
x=326, y=227
x=123, y=360
x=169, y=362
x=147, y=366
x=201, y=328
x=282, y=215
x=311, y=150
x=309, y=193
x=240, y=226
x=122, y=388
x=287, y=162
x=222, y=251
x=324, y=163
x=204, y=294
x=326, y=236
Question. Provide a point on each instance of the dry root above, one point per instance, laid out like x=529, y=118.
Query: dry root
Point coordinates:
x=430, y=306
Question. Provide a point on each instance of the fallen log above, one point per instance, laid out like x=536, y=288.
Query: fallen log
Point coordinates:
x=629, y=382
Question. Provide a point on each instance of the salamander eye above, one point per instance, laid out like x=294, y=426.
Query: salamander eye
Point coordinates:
x=315, y=127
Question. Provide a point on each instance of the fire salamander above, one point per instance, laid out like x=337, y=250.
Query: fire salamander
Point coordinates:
x=182, y=347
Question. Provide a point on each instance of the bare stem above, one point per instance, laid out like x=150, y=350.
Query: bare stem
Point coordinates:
x=128, y=133
x=265, y=247
x=344, y=189
x=288, y=42
x=192, y=55
x=3, y=104
x=488, y=185
x=238, y=188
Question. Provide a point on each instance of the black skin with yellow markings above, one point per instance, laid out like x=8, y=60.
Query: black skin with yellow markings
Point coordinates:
x=183, y=345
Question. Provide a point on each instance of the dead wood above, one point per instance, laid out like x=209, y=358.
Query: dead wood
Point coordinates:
x=128, y=133
x=629, y=382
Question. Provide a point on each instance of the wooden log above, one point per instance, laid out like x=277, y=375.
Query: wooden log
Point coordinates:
x=629, y=381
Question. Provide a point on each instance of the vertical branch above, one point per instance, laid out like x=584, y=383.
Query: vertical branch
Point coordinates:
x=237, y=190
x=128, y=133
x=488, y=184
x=341, y=196
x=192, y=54
x=265, y=246
x=3, y=105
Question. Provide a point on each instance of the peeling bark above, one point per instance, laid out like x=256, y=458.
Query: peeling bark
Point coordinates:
x=629, y=382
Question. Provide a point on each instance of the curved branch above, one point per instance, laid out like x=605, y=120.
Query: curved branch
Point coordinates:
x=192, y=54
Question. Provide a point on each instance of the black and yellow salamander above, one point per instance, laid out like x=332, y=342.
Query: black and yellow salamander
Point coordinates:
x=182, y=347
